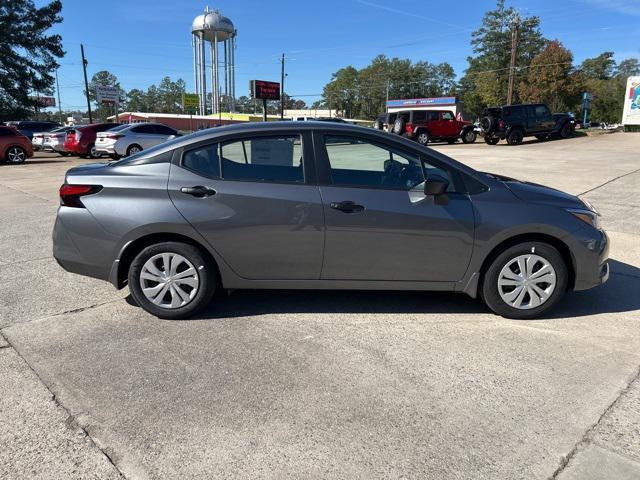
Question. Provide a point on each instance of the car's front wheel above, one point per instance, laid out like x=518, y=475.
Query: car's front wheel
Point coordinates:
x=491, y=140
x=172, y=280
x=515, y=137
x=525, y=281
x=15, y=155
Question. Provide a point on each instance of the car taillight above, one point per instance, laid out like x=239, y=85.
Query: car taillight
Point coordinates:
x=409, y=128
x=114, y=136
x=70, y=194
x=501, y=124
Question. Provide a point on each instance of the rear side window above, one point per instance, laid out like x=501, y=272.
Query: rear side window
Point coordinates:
x=267, y=159
x=144, y=129
x=203, y=160
x=164, y=130
x=419, y=116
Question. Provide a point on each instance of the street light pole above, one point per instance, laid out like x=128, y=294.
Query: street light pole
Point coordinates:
x=282, y=88
x=58, y=92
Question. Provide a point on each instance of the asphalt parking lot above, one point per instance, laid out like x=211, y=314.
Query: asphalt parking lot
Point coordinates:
x=281, y=384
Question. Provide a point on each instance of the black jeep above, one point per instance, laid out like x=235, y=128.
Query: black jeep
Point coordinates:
x=514, y=122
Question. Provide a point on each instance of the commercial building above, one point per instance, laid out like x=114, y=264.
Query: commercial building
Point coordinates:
x=434, y=103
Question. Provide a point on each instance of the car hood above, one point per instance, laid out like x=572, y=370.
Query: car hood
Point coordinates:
x=536, y=193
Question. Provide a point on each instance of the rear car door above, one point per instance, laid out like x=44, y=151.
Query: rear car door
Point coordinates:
x=379, y=223
x=145, y=135
x=254, y=198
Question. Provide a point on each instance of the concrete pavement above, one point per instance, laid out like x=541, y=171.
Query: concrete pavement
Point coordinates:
x=329, y=384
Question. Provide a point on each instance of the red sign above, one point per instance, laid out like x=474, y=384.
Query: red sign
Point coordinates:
x=261, y=89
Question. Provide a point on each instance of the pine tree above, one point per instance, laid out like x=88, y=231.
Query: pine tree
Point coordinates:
x=27, y=54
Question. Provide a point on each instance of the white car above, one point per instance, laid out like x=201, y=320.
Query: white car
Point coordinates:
x=53, y=141
x=129, y=139
x=37, y=141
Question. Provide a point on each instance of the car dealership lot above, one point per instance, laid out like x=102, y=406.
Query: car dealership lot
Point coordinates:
x=323, y=384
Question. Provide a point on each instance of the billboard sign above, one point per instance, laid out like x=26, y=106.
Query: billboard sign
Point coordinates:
x=43, y=102
x=261, y=89
x=631, y=111
x=422, y=102
x=107, y=94
x=190, y=101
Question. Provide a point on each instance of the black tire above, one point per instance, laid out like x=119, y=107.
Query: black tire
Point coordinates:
x=423, y=137
x=133, y=149
x=91, y=151
x=491, y=140
x=398, y=126
x=114, y=156
x=566, y=130
x=489, y=288
x=451, y=141
x=206, y=274
x=15, y=155
x=487, y=124
x=541, y=137
x=515, y=137
x=64, y=154
x=469, y=136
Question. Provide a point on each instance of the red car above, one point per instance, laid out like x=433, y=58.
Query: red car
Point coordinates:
x=81, y=140
x=14, y=146
x=424, y=126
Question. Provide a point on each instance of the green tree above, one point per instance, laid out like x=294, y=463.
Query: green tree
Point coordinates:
x=550, y=79
x=600, y=67
x=486, y=79
x=629, y=67
x=597, y=77
x=27, y=54
x=135, y=101
x=170, y=95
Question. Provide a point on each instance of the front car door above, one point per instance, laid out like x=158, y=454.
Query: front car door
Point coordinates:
x=449, y=125
x=544, y=118
x=255, y=200
x=379, y=223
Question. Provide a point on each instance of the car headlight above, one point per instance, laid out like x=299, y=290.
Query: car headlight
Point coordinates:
x=587, y=216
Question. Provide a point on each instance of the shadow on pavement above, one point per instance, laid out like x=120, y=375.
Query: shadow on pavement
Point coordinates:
x=32, y=162
x=619, y=294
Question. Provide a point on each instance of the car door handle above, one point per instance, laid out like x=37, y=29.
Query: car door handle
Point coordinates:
x=198, y=191
x=347, y=206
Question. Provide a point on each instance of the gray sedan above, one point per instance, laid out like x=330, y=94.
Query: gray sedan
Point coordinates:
x=315, y=205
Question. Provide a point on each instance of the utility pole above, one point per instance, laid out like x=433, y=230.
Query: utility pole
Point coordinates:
x=515, y=25
x=387, y=102
x=86, y=83
x=58, y=92
x=282, y=88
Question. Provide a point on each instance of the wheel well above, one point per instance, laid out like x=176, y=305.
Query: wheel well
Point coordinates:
x=533, y=237
x=135, y=247
x=135, y=145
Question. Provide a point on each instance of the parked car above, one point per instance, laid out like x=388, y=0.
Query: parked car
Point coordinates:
x=81, y=140
x=29, y=127
x=424, y=126
x=14, y=146
x=37, y=140
x=327, y=206
x=378, y=123
x=54, y=141
x=126, y=140
x=514, y=122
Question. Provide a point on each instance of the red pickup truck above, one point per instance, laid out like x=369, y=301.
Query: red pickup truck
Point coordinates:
x=425, y=126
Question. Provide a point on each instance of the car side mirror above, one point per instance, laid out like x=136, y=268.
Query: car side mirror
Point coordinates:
x=435, y=185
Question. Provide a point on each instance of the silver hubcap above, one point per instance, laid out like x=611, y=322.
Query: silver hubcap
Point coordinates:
x=526, y=281
x=469, y=136
x=169, y=280
x=16, y=155
x=133, y=150
x=423, y=138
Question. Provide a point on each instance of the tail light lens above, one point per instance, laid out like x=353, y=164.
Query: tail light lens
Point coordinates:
x=501, y=123
x=114, y=136
x=70, y=194
x=409, y=128
x=71, y=136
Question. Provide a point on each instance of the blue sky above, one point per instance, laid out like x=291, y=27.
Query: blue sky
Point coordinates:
x=141, y=40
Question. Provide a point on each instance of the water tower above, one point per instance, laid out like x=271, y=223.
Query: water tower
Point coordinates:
x=213, y=28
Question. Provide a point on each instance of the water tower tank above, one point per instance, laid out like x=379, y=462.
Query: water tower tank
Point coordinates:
x=211, y=23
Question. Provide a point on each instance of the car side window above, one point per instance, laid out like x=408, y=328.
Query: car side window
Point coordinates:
x=431, y=170
x=263, y=159
x=447, y=116
x=542, y=111
x=360, y=163
x=148, y=129
x=433, y=116
x=203, y=160
x=164, y=130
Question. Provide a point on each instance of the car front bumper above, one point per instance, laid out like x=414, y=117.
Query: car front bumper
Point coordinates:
x=590, y=252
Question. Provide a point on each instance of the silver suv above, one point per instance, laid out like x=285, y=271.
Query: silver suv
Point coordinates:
x=324, y=206
x=126, y=140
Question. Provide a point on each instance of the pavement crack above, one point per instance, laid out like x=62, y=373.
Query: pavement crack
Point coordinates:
x=608, y=182
x=566, y=459
x=48, y=200
x=71, y=419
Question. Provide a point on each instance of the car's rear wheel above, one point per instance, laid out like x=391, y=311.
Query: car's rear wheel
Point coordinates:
x=515, y=137
x=469, y=136
x=525, y=280
x=133, y=149
x=423, y=137
x=15, y=155
x=491, y=140
x=172, y=280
